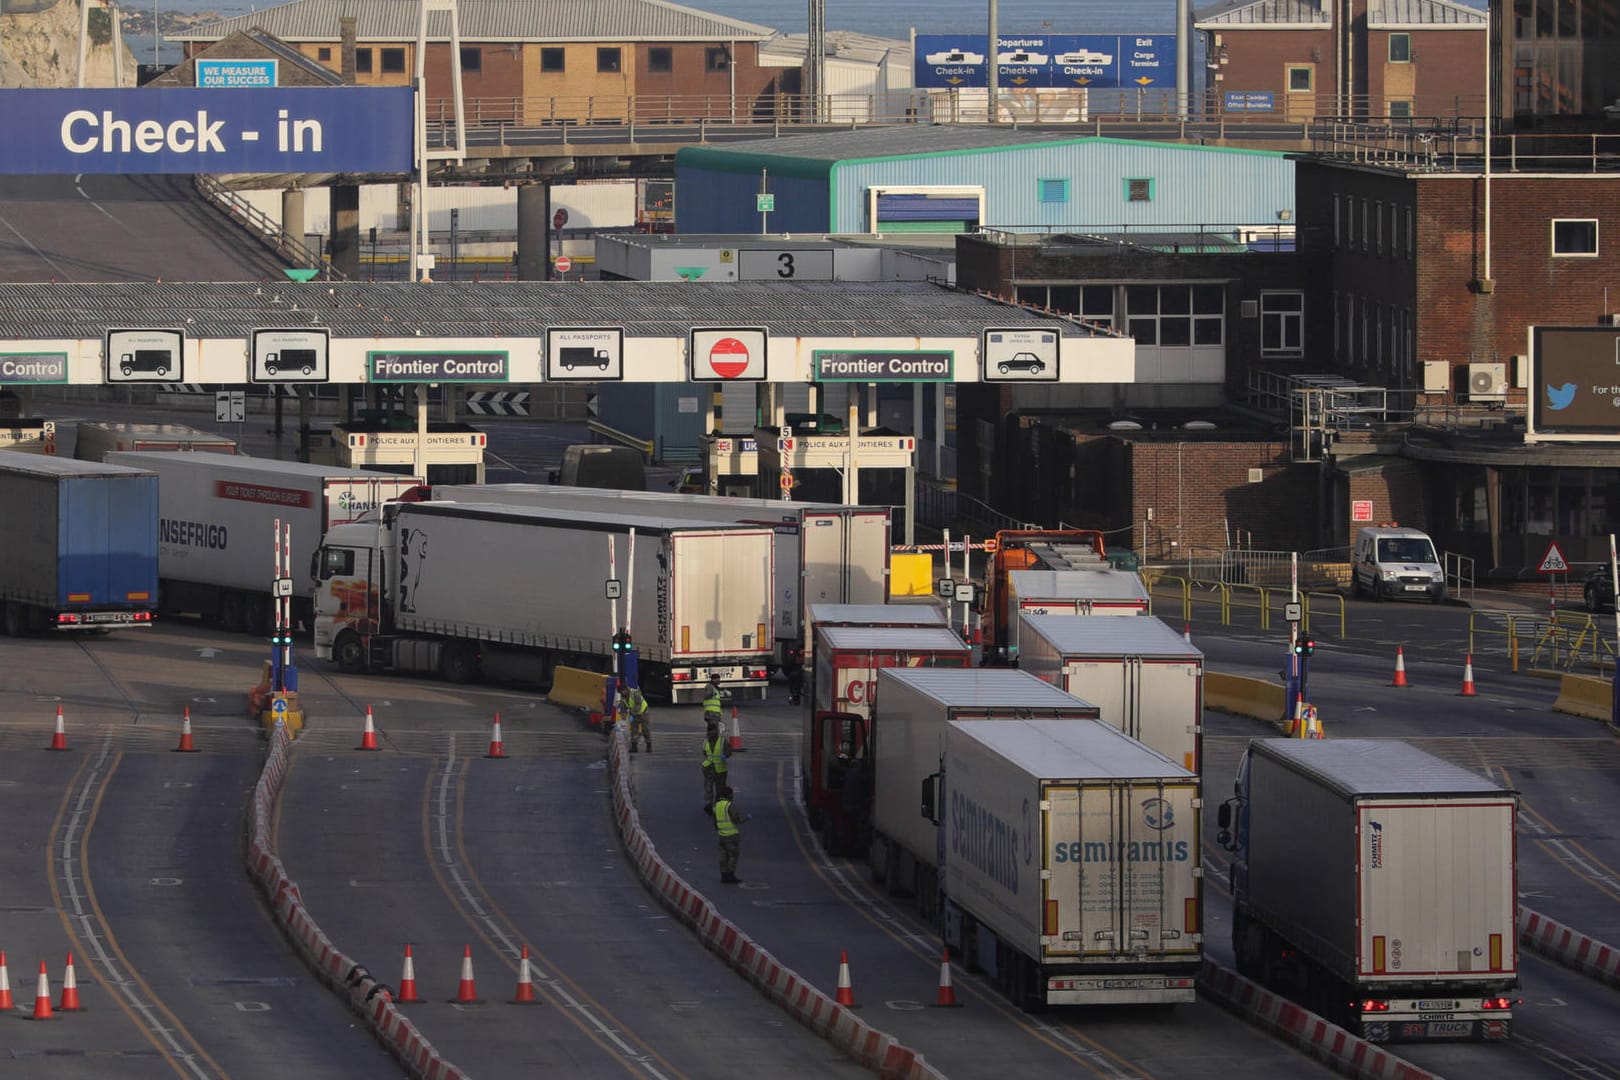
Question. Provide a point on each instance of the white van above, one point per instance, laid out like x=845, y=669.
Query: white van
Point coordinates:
x=1391, y=563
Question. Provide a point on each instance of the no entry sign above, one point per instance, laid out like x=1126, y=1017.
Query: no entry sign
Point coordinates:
x=727, y=354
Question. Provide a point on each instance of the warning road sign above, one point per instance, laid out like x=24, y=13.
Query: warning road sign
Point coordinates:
x=1553, y=562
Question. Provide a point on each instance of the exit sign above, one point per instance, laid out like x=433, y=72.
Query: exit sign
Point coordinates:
x=764, y=203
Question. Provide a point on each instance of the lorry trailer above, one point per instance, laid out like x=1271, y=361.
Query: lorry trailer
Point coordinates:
x=1029, y=549
x=1069, y=858
x=1147, y=680
x=216, y=524
x=466, y=589
x=81, y=545
x=1099, y=591
x=1376, y=885
x=95, y=439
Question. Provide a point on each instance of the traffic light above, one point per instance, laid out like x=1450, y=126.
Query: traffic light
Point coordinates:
x=1304, y=647
x=621, y=641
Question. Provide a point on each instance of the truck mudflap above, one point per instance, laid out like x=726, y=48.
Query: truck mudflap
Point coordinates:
x=1121, y=989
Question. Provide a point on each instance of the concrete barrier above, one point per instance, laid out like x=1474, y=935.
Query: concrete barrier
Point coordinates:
x=1328, y=1043
x=1585, y=695
x=1567, y=946
x=578, y=688
x=1243, y=695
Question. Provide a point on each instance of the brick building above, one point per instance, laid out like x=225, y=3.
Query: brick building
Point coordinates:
x=1346, y=58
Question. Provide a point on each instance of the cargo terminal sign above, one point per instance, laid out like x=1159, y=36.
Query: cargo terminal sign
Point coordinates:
x=346, y=129
x=921, y=365
x=1574, y=384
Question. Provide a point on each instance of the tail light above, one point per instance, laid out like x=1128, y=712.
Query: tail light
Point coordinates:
x=1371, y=1006
x=680, y=676
x=1496, y=1003
x=143, y=616
x=67, y=618
x=758, y=673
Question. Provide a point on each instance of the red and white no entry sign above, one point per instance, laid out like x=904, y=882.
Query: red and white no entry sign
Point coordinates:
x=563, y=264
x=725, y=352
x=728, y=357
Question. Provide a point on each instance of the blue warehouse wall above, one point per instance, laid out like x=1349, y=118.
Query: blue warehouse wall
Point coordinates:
x=715, y=192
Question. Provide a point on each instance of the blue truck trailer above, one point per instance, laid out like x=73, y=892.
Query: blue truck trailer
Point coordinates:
x=78, y=545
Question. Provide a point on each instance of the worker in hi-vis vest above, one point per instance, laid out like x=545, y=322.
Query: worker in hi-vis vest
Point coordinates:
x=716, y=750
x=635, y=709
x=727, y=819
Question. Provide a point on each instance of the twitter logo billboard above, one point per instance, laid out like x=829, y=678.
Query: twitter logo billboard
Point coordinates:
x=1560, y=397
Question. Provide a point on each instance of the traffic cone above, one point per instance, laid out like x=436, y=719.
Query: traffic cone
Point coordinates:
x=1400, y=667
x=947, y=992
x=42, y=996
x=496, y=747
x=59, y=739
x=1313, y=726
x=407, y=979
x=467, y=992
x=525, y=985
x=734, y=742
x=1296, y=718
x=185, y=746
x=1186, y=632
x=368, y=738
x=1468, y=677
x=70, y=989
x=846, y=993
x=6, y=1004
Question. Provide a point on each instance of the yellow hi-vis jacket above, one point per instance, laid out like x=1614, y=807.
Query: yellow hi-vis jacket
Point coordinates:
x=711, y=704
x=722, y=818
x=714, y=753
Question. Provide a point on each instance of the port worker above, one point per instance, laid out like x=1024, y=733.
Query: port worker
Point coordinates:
x=635, y=706
x=711, y=702
x=727, y=819
x=715, y=751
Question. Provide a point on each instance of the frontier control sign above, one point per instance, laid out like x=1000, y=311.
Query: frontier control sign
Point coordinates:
x=185, y=130
x=921, y=365
x=428, y=367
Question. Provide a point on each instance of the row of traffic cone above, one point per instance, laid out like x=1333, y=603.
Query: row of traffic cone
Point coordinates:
x=944, y=998
x=467, y=989
x=187, y=742
x=368, y=736
x=42, y=992
x=1468, y=688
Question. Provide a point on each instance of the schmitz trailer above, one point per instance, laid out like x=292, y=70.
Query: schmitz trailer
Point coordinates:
x=825, y=552
x=1029, y=549
x=1098, y=591
x=1376, y=885
x=217, y=515
x=463, y=589
x=838, y=711
x=1147, y=680
x=80, y=549
x=1069, y=860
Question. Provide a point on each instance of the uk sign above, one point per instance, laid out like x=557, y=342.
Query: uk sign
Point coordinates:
x=193, y=130
x=727, y=354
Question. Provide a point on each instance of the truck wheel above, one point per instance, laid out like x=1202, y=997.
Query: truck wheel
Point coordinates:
x=349, y=653
x=459, y=664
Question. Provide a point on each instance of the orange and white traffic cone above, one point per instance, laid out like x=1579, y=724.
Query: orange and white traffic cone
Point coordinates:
x=1186, y=632
x=59, y=739
x=42, y=995
x=1468, y=677
x=497, y=748
x=70, y=989
x=525, y=983
x=186, y=746
x=467, y=992
x=368, y=737
x=407, y=979
x=1296, y=718
x=846, y=992
x=1313, y=726
x=947, y=992
x=6, y=1004
x=1400, y=667
x=735, y=740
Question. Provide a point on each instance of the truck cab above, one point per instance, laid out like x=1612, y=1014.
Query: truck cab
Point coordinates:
x=839, y=780
x=347, y=569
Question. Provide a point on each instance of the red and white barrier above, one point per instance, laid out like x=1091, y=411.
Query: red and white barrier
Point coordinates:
x=1569, y=947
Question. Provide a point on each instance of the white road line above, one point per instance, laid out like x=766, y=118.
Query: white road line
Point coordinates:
x=42, y=256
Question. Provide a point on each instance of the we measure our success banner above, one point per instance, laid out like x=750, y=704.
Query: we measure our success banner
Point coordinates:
x=182, y=130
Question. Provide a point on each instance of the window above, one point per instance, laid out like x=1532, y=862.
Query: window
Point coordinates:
x=1400, y=110
x=1175, y=315
x=1349, y=221
x=1052, y=191
x=1400, y=48
x=362, y=61
x=1282, y=323
x=1338, y=320
x=1411, y=235
x=1097, y=304
x=324, y=53
x=472, y=60
x=660, y=60
x=716, y=58
x=607, y=60
x=551, y=59
x=1361, y=353
x=1349, y=328
x=1138, y=190
x=393, y=61
x=1575, y=237
x=1366, y=226
x=1378, y=226
x=337, y=562
x=1394, y=229
x=1299, y=80
x=1337, y=233
x=1378, y=335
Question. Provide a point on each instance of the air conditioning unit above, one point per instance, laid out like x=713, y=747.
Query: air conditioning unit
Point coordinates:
x=1436, y=376
x=1487, y=382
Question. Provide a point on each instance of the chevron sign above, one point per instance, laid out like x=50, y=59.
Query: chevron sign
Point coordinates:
x=498, y=402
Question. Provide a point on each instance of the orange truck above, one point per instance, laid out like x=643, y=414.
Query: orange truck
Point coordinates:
x=1029, y=549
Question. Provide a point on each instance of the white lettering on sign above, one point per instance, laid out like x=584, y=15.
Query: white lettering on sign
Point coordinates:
x=149, y=137
x=300, y=128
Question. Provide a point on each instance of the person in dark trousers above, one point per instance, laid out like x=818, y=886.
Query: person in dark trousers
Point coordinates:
x=727, y=822
x=636, y=706
x=715, y=752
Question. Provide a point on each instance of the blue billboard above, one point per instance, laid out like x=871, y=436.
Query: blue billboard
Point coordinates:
x=1102, y=61
x=182, y=130
x=236, y=74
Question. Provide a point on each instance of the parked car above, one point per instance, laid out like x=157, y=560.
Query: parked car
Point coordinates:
x=1599, y=590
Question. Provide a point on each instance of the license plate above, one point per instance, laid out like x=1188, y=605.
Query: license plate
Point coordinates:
x=107, y=616
x=1436, y=1004
x=1417, y=588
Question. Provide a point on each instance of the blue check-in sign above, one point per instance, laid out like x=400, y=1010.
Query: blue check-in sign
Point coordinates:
x=236, y=74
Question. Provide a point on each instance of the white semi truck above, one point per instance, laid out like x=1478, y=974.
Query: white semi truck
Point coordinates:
x=469, y=589
x=216, y=526
x=1071, y=592
x=1376, y=885
x=1068, y=860
x=825, y=552
x=1147, y=680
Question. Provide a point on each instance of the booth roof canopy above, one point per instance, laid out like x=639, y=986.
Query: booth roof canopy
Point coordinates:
x=506, y=309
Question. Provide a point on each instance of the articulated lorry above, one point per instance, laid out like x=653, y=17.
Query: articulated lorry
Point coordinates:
x=825, y=552
x=1028, y=549
x=466, y=589
x=843, y=688
x=1058, y=855
x=1099, y=591
x=1147, y=680
x=81, y=545
x=1376, y=885
x=216, y=527
x=95, y=439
